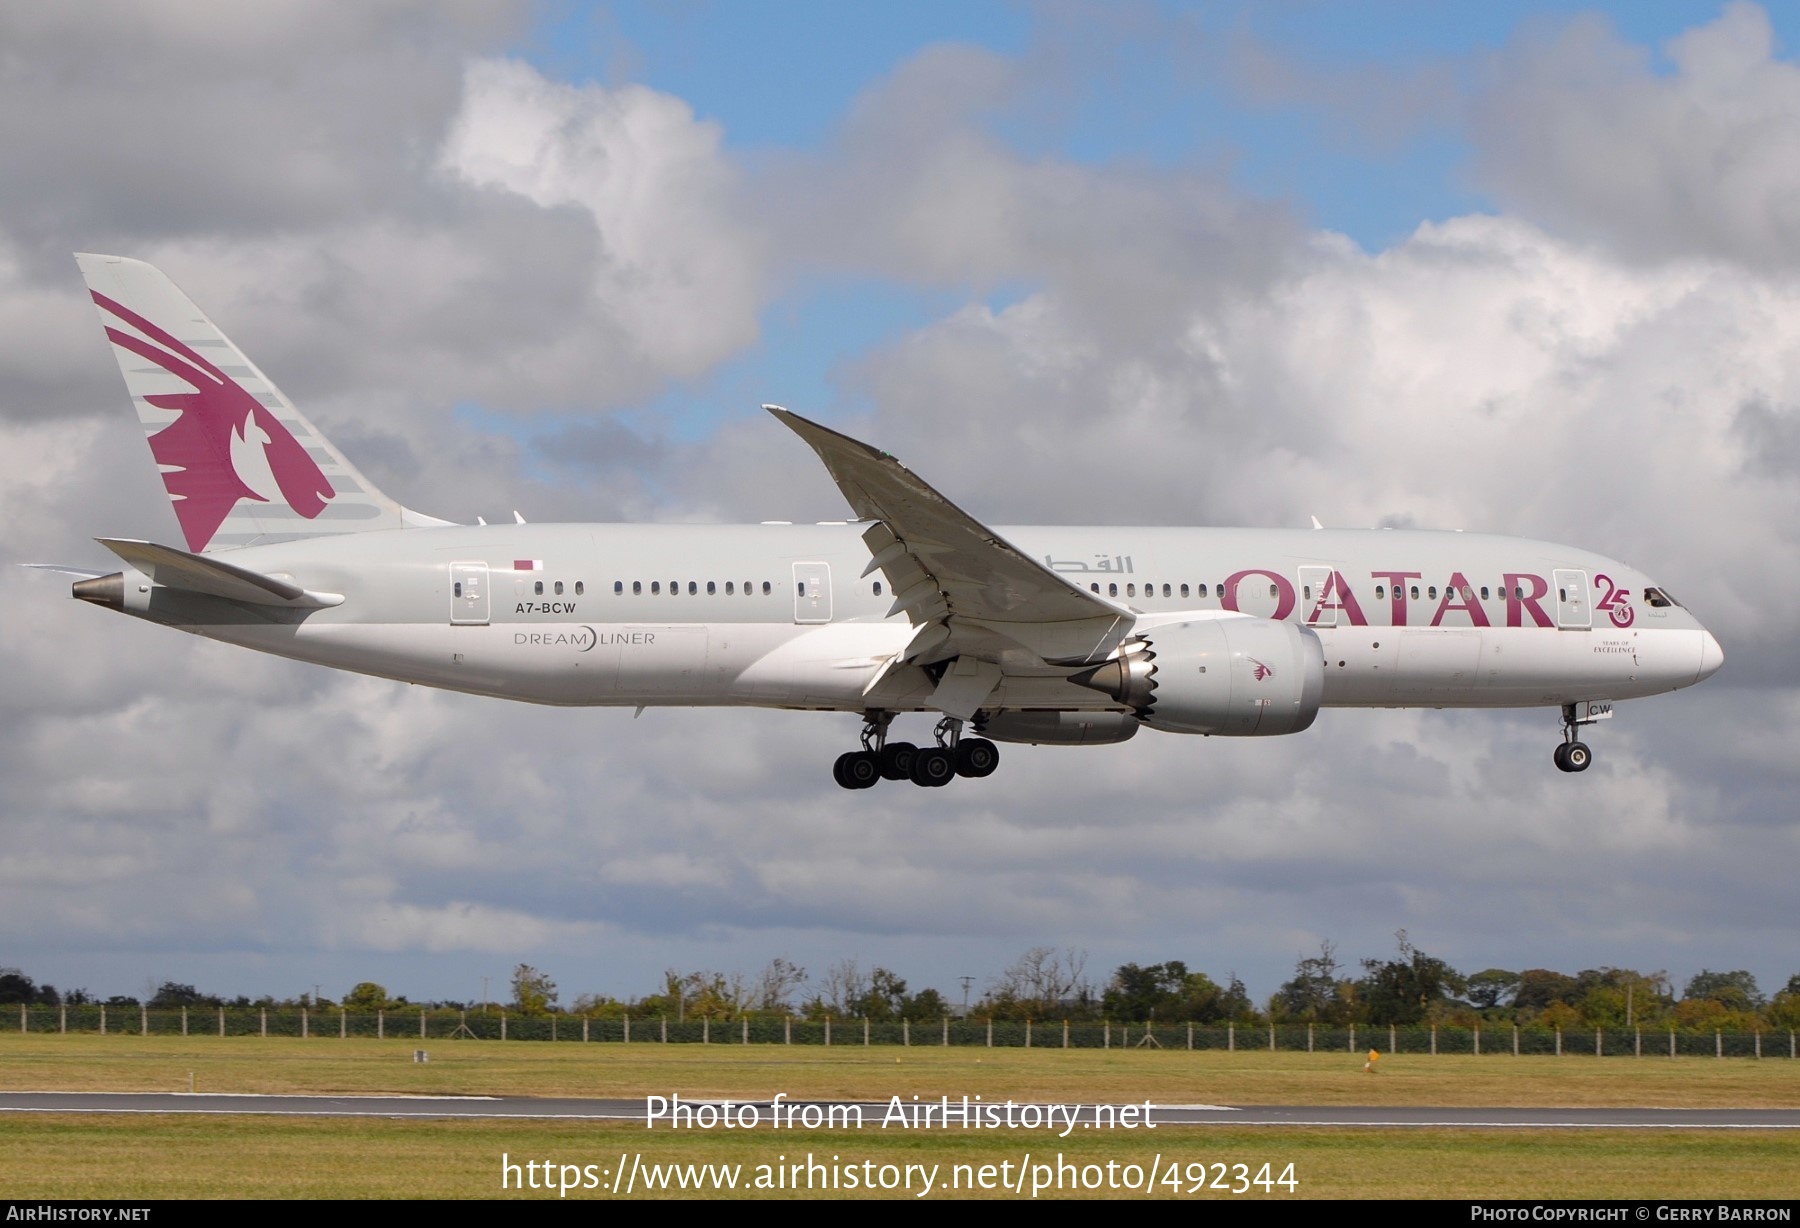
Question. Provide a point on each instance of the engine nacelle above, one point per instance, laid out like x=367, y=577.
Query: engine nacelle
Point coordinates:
x=1058, y=728
x=1238, y=677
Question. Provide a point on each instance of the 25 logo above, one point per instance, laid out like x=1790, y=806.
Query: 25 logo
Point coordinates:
x=1616, y=602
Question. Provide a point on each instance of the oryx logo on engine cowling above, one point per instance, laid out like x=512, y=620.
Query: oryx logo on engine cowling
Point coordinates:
x=225, y=445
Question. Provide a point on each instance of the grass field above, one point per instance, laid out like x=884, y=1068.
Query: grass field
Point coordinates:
x=154, y=1156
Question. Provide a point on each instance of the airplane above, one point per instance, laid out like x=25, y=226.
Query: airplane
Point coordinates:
x=1054, y=635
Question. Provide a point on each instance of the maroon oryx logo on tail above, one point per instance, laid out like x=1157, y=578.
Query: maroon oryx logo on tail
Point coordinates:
x=219, y=425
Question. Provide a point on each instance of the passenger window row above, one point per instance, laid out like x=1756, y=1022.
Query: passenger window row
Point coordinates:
x=1168, y=590
x=1430, y=591
x=693, y=588
x=675, y=588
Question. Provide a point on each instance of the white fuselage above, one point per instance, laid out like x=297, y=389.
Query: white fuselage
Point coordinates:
x=784, y=616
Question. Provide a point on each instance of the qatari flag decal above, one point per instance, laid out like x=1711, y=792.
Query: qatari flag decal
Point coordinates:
x=528, y=564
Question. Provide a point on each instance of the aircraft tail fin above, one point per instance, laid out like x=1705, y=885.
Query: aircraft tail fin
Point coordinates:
x=242, y=466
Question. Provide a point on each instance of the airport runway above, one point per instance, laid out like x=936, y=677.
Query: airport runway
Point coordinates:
x=527, y=1107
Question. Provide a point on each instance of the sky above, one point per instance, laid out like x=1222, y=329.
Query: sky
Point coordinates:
x=1524, y=268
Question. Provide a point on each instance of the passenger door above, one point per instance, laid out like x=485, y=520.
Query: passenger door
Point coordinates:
x=1315, y=582
x=812, y=592
x=1572, y=610
x=468, y=594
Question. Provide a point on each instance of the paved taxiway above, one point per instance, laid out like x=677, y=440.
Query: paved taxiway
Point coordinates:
x=528, y=1107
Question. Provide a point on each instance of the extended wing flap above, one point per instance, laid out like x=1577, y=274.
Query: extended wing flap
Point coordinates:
x=196, y=573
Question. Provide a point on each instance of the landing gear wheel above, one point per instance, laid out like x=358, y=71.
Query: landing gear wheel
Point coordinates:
x=1560, y=757
x=1573, y=756
x=857, y=769
x=976, y=757
x=933, y=767
x=897, y=760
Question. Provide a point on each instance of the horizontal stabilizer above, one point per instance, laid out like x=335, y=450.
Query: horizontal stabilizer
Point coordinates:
x=212, y=576
x=85, y=573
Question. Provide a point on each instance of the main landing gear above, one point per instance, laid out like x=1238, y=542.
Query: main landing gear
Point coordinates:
x=931, y=767
x=1573, y=755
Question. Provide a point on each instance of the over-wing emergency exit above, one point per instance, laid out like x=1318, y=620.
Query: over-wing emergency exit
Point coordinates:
x=1050, y=635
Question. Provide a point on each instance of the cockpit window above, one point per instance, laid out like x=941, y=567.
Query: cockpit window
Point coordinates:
x=1659, y=599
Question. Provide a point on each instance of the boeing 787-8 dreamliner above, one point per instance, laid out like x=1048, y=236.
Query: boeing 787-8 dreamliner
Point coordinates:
x=1054, y=635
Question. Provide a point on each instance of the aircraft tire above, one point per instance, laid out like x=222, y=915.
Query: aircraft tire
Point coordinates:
x=837, y=771
x=897, y=760
x=933, y=767
x=1560, y=757
x=1576, y=757
x=861, y=769
x=976, y=757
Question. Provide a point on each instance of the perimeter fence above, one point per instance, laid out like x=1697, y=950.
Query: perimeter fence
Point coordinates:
x=424, y=1024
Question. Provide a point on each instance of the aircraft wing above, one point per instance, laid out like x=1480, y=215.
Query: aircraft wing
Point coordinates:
x=961, y=584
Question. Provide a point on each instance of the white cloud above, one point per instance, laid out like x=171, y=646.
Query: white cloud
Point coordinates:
x=679, y=272
x=1589, y=135
x=122, y=120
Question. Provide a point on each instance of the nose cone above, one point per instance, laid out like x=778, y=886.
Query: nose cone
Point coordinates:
x=1711, y=656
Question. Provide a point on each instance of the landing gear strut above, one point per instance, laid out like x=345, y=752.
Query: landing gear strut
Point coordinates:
x=930, y=767
x=1573, y=755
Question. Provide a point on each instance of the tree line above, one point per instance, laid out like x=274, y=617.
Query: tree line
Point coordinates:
x=1413, y=988
x=1408, y=989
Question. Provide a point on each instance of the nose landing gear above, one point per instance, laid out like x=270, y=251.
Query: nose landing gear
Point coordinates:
x=1573, y=755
